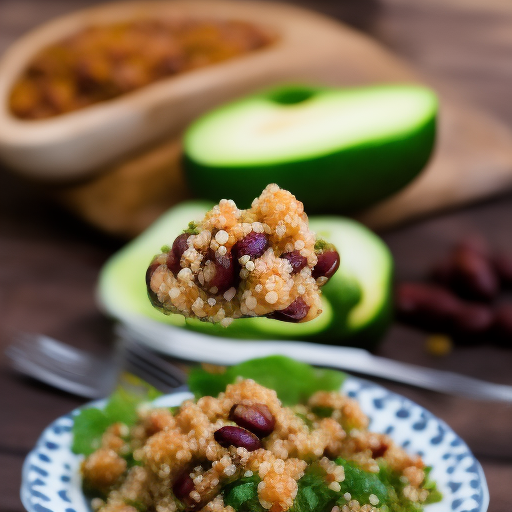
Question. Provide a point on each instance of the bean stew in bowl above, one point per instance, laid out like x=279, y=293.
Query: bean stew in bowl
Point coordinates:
x=100, y=63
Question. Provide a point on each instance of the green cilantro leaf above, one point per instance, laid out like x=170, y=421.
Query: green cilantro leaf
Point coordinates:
x=313, y=493
x=434, y=495
x=360, y=484
x=88, y=427
x=242, y=494
x=90, y=423
x=192, y=229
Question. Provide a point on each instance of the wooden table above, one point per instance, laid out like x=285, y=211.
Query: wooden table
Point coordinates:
x=49, y=261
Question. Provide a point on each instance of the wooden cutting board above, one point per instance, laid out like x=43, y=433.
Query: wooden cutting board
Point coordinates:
x=472, y=160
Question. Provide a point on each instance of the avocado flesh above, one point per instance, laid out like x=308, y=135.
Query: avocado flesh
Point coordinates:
x=122, y=289
x=338, y=150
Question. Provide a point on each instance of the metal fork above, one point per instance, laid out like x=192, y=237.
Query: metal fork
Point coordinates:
x=85, y=374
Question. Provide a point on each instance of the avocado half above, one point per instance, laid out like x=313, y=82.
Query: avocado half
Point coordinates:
x=356, y=301
x=338, y=150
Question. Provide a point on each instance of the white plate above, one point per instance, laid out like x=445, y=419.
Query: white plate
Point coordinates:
x=51, y=479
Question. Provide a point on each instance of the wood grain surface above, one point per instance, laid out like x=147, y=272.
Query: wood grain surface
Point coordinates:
x=49, y=261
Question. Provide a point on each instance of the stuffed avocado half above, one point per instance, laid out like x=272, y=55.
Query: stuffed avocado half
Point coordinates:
x=355, y=302
x=338, y=150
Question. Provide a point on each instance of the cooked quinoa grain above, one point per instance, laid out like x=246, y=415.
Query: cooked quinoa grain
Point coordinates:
x=264, y=261
x=184, y=461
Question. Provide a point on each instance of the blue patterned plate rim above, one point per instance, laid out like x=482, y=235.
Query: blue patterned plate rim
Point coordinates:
x=51, y=479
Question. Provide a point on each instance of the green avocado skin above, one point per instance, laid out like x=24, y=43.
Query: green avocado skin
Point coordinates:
x=341, y=182
x=367, y=336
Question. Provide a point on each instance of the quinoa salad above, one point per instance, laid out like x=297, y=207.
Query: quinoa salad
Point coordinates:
x=244, y=450
x=263, y=261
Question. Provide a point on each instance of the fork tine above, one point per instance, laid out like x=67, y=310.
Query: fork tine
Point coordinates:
x=155, y=360
x=159, y=377
x=167, y=380
x=149, y=376
x=163, y=372
x=131, y=343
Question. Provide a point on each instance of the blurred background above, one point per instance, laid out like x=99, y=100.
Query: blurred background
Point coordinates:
x=55, y=237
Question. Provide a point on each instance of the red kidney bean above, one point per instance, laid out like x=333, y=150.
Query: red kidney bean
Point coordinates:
x=502, y=328
x=237, y=436
x=328, y=263
x=182, y=487
x=426, y=306
x=380, y=449
x=173, y=263
x=256, y=418
x=474, y=275
x=295, y=312
x=472, y=322
x=503, y=266
x=442, y=272
x=225, y=271
x=253, y=245
x=475, y=243
x=149, y=274
x=297, y=261
x=179, y=246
